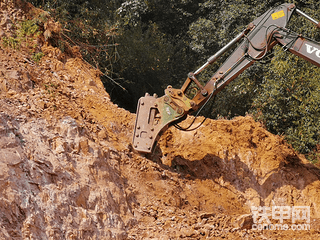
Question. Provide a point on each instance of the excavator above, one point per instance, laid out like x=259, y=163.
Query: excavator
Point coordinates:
x=155, y=115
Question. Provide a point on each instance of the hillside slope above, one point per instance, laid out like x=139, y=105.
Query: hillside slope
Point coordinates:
x=68, y=170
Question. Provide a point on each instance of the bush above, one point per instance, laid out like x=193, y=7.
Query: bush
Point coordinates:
x=289, y=99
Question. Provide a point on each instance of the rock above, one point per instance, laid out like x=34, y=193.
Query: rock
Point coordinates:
x=11, y=93
x=13, y=74
x=244, y=221
x=11, y=156
x=207, y=215
x=102, y=134
x=84, y=146
x=2, y=33
x=60, y=145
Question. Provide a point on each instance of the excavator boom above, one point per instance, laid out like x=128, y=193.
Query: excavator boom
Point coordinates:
x=154, y=115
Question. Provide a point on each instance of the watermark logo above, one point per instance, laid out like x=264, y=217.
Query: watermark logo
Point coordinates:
x=299, y=215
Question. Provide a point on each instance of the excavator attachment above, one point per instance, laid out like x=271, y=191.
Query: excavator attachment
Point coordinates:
x=155, y=114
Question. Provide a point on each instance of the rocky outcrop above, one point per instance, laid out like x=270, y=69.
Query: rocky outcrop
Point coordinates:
x=57, y=184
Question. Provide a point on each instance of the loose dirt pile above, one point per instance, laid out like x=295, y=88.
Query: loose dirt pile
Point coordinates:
x=68, y=170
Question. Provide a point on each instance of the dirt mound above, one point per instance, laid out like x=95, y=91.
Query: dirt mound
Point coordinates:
x=245, y=157
x=68, y=170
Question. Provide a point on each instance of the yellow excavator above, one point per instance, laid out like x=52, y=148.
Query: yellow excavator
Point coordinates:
x=154, y=115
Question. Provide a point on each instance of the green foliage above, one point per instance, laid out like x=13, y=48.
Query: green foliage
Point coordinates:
x=222, y=21
x=289, y=99
x=153, y=46
x=37, y=57
x=26, y=31
x=52, y=90
x=11, y=42
x=88, y=24
x=145, y=67
x=28, y=28
x=131, y=11
x=171, y=16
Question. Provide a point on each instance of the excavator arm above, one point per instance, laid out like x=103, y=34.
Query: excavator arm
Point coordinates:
x=154, y=115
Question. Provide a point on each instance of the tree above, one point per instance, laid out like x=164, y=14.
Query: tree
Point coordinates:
x=289, y=99
x=153, y=45
x=262, y=89
x=92, y=25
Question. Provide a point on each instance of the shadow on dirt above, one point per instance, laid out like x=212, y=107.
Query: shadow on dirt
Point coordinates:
x=290, y=172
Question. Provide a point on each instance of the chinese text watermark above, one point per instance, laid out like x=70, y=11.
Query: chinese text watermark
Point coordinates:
x=299, y=215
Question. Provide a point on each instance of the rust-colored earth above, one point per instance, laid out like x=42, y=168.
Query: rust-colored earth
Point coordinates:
x=68, y=169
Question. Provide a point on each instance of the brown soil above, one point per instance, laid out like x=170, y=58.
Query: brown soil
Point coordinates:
x=68, y=170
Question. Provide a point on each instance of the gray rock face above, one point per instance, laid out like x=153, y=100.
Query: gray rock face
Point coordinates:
x=49, y=180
